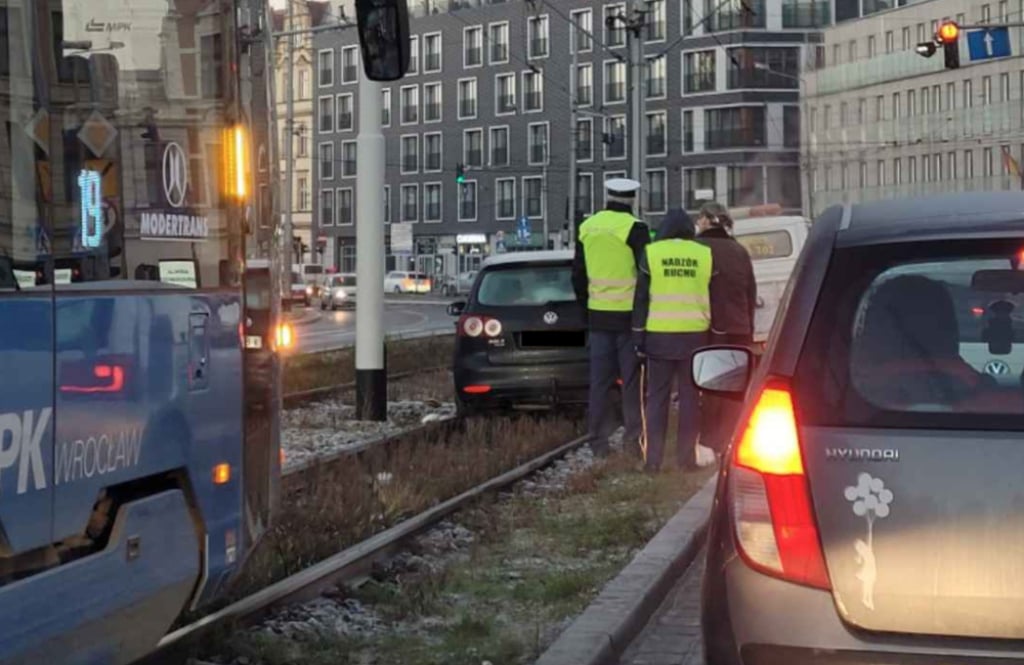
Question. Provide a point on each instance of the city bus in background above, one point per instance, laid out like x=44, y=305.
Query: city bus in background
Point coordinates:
x=774, y=241
x=140, y=294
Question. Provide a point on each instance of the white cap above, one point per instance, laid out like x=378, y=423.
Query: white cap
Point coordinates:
x=625, y=187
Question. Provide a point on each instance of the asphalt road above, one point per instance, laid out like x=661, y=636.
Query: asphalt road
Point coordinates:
x=337, y=329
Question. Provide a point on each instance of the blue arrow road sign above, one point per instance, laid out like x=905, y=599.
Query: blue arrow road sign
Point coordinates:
x=989, y=43
x=524, y=228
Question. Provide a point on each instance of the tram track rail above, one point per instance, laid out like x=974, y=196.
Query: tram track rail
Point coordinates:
x=345, y=565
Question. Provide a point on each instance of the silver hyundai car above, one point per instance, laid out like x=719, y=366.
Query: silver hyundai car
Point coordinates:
x=870, y=509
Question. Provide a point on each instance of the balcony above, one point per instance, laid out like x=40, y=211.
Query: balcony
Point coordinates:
x=872, y=71
x=656, y=87
x=344, y=121
x=432, y=112
x=499, y=156
x=656, y=145
x=615, y=150
x=699, y=82
x=615, y=92
x=467, y=108
x=433, y=161
x=736, y=20
x=538, y=154
x=348, y=168
x=474, y=56
x=349, y=73
x=432, y=212
x=719, y=139
x=655, y=30
x=805, y=14
x=410, y=164
x=325, y=122
x=534, y=207
x=506, y=103
x=499, y=52
x=410, y=114
x=506, y=208
x=467, y=209
x=585, y=150
x=539, y=47
x=534, y=101
x=432, y=62
x=758, y=78
x=409, y=213
x=345, y=216
x=585, y=95
x=474, y=157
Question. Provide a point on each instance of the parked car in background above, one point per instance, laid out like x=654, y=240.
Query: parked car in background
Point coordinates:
x=458, y=284
x=398, y=281
x=868, y=509
x=301, y=291
x=338, y=291
x=521, y=339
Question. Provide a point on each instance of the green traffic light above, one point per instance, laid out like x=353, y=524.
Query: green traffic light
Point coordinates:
x=460, y=179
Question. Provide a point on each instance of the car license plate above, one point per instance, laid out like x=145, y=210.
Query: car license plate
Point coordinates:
x=253, y=342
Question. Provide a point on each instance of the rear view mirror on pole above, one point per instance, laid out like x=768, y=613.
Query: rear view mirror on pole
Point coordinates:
x=722, y=369
x=384, y=38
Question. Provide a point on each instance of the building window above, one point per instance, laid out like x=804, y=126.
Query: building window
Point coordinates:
x=969, y=164
x=533, y=197
x=414, y=55
x=345, y=211
x=505, y=193
x=951, y=159
x=467, y=201
x=733, y=14
x=410, y=203
x=467, y=99
x=410, y=105
x=385, y=104
x=473, y=148
x=746, y=186
x=734, y=127
x=614, y=138
x=987, y=164
x=699, y=71
x=805, y=13
x=348, y=159
x=656, y=199
x=537, y=34
x=687, y=131
x=327, y=207
x=862, y=181
x=432, y=152
x=410, y=154
x=533, y=91
x=432, y=102
x=350, y=64
x=304, y=198
x=583, y=20
x=538, y=143
x=655, y=77
x=880, y=173
x=325, y=65
x=432, y=53
x=498, y=38
x=905, y=38
x=897, y=171
x=657, y=133
x=304, y=89
x=345, y=113
x=302, y=137
x=761, y=67
x=499, y=146
x=610, y=175
x=695, y=180
x=326, y=105
x=473, y=46
x=505, y=91
x=968, y=93
x=791, y=126
x=326, y=161
x=585, y=193
x=432, y=202
x=585, y=84
x=387, y=204
x=614, y=82
x=655, y=20
x=585, y=140
x=614, y=31
x=890, y=41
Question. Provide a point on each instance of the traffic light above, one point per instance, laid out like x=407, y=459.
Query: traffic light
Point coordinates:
x=947, y=36
x=460, y=173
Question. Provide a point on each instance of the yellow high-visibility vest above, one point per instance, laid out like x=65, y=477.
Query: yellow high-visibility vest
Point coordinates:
x=611, y=265
x=680, y=281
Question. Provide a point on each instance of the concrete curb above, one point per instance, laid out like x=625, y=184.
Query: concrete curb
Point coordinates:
x=606, y=628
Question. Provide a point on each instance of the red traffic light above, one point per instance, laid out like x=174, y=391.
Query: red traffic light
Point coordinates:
x=948, y=32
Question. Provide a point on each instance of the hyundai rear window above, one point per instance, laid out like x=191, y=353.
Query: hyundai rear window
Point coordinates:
x=529, y=285
x=922, y=335
x=347, y=281
x=767, y=245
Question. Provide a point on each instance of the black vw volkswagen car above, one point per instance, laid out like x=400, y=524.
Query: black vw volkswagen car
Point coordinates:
x=521, y=337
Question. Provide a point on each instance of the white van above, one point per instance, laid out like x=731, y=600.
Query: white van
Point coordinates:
x=774, y=242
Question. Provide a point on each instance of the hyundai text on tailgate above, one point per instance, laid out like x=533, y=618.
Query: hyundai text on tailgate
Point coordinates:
x=872, y=510
x=521, y=338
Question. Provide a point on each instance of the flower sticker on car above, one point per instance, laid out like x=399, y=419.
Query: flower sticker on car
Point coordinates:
x=870, y=499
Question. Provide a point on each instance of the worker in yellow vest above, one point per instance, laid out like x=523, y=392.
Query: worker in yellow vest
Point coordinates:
x=609, y=247
x=671, y=320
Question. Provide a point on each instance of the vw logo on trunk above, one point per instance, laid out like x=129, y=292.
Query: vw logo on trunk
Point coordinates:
x=997, y=368
x=550, y=318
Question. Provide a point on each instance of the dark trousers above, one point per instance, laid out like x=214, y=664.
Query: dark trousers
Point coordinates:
x=612, y=357
x=718, y=412
x=661, y=373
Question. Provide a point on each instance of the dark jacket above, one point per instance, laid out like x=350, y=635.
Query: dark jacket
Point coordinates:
x=733, y=286
x=638, y=238
x=676, y=224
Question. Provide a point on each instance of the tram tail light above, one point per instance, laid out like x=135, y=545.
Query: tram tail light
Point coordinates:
x=236, y=162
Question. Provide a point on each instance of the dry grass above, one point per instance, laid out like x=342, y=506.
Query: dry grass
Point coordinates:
x=318, y=370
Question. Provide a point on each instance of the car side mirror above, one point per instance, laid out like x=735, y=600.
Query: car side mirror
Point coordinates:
x=722, y=369
x=456, y=308
x=384, y=38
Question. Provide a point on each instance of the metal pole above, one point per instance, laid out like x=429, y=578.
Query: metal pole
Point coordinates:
x=289, y=124
x=371, y=378
x=544, y=195
x=636, y=89
x=575, y=134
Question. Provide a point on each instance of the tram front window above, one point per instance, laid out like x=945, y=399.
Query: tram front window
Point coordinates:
x=120, y=156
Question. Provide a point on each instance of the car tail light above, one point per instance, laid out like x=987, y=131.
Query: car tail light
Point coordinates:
x=772, y=508
x=284, y=337
x=475, y=326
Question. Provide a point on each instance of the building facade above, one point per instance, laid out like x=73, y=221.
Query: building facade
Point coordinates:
x=490, y=88
x=305, y=15
x=884, y=122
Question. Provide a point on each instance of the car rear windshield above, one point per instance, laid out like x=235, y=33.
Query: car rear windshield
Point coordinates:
x=767, y=245
x=918, y=335
x=345, y=280
x=526, y=285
